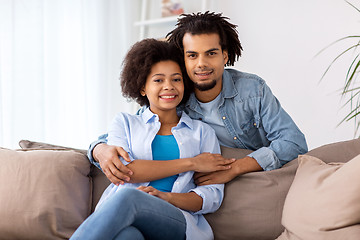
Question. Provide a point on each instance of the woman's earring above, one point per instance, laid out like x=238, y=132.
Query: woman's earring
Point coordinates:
x=142, y=93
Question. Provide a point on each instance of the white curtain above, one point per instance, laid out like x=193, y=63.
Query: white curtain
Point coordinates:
x=59, y=67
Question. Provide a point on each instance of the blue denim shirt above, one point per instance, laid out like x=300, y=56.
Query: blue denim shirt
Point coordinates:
x=135, y=134
x=254, y=119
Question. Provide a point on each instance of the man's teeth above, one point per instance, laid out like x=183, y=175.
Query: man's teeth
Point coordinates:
x=167, y=96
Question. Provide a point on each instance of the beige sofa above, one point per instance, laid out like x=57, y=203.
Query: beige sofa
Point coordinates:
x=46, y=192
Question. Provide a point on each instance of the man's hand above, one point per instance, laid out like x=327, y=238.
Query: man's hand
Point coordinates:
x=208, y=162
x=238, y=167
x=113, y=168
x=217, y=177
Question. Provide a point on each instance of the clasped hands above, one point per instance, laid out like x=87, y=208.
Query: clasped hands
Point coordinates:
x=209, y=168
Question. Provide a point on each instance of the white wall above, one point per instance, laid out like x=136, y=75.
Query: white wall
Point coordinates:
x=280, y=40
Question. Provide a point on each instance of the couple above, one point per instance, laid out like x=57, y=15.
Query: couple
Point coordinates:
x=163, y=198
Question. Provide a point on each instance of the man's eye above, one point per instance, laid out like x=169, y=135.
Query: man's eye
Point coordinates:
x=212, y=53
x=191, y=56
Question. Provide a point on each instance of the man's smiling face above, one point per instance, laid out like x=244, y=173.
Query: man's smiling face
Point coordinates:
x=204, y=59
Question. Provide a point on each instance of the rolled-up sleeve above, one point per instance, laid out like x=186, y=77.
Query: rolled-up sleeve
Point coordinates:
x=212, y=196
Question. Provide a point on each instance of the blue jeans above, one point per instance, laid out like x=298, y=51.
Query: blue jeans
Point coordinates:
x=133, y=214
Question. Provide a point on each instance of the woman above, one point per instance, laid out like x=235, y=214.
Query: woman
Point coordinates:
x=163, y=148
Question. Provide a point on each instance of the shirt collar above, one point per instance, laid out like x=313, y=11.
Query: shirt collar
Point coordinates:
x=186, y=120
x=228, y=87
x=149, y=117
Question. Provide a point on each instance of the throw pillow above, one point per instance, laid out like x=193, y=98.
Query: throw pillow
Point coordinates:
x=99, y=180
x=323, y=201
x=45, y=194
x=26, y=144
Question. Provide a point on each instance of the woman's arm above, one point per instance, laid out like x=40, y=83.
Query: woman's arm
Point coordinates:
x=146, y=171
x=149, y=170
x=187, y=201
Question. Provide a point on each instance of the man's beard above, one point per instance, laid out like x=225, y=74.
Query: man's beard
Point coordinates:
x=205, y=86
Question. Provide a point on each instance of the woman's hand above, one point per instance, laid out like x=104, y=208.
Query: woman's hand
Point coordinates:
x=154, y=192
x=189, y=201
x=208, y=162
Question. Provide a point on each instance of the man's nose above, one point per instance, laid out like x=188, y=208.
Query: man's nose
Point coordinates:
x=201, y=61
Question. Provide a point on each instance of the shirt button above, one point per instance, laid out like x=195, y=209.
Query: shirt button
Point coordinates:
x=224, y=117
x=235, y=138
x=180, y=143
x=255, y=124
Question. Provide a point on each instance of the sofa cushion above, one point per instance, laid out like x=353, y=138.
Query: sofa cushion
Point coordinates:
x=253, y=202
x=338, y=151
x=99, y=180
x=45, y=194
x=323, y=201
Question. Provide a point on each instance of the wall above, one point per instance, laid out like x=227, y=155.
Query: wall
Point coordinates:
x=281, y=39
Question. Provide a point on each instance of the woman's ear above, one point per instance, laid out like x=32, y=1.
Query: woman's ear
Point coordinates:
x=142, y=92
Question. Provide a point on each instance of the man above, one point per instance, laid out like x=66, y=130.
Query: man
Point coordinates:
x=239, y=106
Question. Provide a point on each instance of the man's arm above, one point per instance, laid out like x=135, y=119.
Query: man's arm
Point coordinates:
x=238, y=167
x=286, y=139
x=286, y=143
x=110, y=163
x=108, y=158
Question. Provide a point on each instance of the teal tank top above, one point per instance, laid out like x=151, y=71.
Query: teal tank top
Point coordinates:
x=164, y=147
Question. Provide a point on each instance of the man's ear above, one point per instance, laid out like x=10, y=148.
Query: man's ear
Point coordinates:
x=226, y=56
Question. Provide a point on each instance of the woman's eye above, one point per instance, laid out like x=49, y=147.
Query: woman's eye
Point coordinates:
x=157, y=80
x=177, y=79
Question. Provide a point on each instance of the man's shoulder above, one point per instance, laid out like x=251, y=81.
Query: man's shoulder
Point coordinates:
x=239, y=77
x=247, y=85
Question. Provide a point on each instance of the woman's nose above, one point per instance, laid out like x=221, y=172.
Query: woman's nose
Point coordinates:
x=168, y=85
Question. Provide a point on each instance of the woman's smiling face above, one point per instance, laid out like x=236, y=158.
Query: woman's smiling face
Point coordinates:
x=164, y=86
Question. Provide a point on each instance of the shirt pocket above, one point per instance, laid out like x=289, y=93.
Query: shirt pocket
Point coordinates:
x=251, y=131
